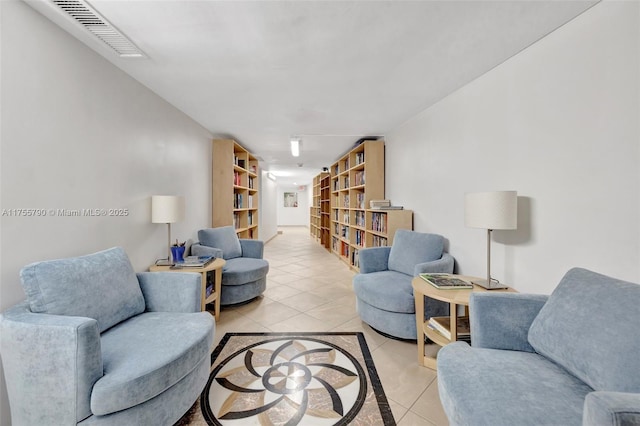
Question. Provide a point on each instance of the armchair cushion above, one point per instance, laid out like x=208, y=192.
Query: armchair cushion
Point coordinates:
x=411, y=248
x=584, y=328
x=224, y=238
x=148, y=354
x=242, y=270
x=387, y=290
x=496, y=387
x=102, y=286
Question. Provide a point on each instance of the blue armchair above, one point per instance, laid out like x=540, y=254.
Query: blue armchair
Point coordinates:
x=571, y=358
x=384, y=295
x=244, y=276
x=96, y=344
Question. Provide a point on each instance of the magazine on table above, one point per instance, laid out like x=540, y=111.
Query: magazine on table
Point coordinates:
x=194, y=262
x=446, y=281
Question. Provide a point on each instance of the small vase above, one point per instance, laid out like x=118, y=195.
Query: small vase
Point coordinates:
x=177, y=253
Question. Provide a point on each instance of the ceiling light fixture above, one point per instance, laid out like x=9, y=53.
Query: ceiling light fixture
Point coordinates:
x=295, y=147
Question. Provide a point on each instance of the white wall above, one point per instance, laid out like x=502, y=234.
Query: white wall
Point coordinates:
x=268, y=217
x=79, y=133
x=293, y=216
x=559, y=123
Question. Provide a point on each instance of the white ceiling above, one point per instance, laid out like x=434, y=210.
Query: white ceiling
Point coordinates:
x=328, y=71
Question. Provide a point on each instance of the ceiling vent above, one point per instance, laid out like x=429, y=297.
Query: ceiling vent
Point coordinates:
x=85, y=15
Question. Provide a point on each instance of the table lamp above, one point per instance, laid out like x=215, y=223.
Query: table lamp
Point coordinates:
x=167, y=209
x=491, y=210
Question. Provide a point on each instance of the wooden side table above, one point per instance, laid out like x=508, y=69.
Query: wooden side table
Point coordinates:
x=455, y=298
x=214, y=297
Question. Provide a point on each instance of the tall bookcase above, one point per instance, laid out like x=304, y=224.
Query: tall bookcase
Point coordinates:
x=356, y=179
x=314, y=210
x=235, y=188
x=325, y=210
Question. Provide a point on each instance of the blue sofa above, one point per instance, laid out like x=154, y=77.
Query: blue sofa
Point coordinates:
x=244, y=276
x=96, y=344
x=384, y=295
x=571, y=358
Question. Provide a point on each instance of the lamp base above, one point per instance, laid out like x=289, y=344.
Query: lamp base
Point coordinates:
x=490, y=285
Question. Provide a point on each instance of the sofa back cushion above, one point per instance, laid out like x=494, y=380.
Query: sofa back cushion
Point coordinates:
x=224, y=238
x=589, y=326
x=410, y=248
x=102, y=286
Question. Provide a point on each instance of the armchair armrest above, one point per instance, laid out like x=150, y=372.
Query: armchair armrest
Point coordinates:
x=252, y=248
x=171, y=291
x=444, y=264
x=53, y=359
x=198, y=249
x=611, y=408
x=374, y=259
x=502, y=320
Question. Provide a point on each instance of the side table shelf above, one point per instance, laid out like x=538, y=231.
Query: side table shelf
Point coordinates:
x=214, y=297
x=455, y=298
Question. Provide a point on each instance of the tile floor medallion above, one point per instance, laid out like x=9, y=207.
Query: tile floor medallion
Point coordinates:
x=294, y=379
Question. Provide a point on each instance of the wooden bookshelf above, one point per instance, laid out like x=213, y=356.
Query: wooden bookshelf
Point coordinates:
x=235, y=188
x=320, y=210
x=314, y=210
x=325, y=210
x=356, y=179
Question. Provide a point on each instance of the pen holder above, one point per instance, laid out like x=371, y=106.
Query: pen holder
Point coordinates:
x=178, y=253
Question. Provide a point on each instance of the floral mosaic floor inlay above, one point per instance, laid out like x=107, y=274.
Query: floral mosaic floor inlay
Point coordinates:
x=294, y=379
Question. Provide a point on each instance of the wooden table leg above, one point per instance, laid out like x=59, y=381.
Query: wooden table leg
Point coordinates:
x=453, y=315
x=203, y=292
x=218, y=290
x=419, y=302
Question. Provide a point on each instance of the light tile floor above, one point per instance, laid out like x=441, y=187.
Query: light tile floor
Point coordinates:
x=309, y=289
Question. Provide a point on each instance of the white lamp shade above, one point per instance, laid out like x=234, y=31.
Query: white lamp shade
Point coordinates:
x=167, y=208
x=491, y=210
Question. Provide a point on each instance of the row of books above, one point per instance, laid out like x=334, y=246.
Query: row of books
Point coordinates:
x=238, y=201
x=360, y=218
x=355, y=258
x=359, y=157
x=379, y=222
x=442, y=325
x=360, y=238
x=378, y=241
x=360, y=200
x=358, y=178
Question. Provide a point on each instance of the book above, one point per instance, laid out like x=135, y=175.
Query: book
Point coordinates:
x=387, y=208
x=446, y=281
x=194, y=262
x=443, y=326
x=379, y=203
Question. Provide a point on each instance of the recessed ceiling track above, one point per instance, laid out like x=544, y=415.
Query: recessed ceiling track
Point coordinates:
x=92, y=21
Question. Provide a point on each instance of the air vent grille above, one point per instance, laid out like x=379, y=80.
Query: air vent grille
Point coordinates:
x=91, y=20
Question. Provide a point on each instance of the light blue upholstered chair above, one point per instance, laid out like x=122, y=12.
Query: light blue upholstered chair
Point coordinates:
x=96, y=344
x=571, y=358
x=384, y=295
x=244, y=276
